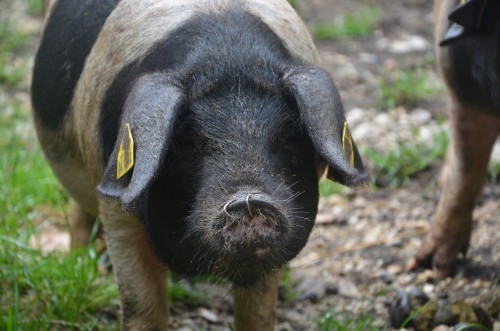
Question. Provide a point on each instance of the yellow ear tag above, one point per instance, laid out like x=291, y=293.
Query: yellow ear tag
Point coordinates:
x=348, y=149
x=125, y=159
x=347, y=144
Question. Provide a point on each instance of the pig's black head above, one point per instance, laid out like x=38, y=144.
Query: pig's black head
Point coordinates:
x=228, y=155
x=248, y=172
x=226, y=172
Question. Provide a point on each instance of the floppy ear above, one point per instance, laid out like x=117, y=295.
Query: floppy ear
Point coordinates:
x=147, y=125
x=322, y=114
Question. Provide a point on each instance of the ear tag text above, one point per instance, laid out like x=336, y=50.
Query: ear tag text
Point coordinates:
x=347, y=144
x=125, y=159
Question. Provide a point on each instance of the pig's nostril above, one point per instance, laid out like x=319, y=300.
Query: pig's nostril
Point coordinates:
x=251, y=204
x=251, y=220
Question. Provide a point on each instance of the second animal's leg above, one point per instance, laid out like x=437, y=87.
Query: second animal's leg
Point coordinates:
x=81, y=225
x=473, y=135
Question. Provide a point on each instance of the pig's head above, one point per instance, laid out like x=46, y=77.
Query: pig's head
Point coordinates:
x=226, y=170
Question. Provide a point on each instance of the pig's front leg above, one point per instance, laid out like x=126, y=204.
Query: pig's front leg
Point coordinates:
x=81, y=225
x=473, y=135
x=255, y=307
x=141, y=277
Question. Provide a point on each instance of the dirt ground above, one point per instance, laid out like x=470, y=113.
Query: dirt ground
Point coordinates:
x=356, y=256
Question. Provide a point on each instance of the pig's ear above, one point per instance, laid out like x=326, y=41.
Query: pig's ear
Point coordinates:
x=147, y=125
x=322, y=114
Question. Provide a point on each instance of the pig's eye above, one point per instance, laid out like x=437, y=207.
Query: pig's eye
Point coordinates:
x=195, y=142
x=289, y=142
x=191, y=139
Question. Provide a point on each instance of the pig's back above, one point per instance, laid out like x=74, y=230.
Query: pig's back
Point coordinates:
x=109, y=34
x=68, y=38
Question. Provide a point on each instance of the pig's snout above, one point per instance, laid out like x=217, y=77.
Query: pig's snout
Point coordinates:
x=252, y=219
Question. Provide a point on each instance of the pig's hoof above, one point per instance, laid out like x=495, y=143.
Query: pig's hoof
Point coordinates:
x=440, y=272
x=440, y=255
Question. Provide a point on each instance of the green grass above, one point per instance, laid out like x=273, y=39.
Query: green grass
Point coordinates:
x=26, y=179
x=35, y=7
x=182, y=290
x=352, y=25
x=472, y=327
x=327, y=188
x=37, y=291
x=396, y=165
x=407, y=87
x=12, y=68
x=333, y=321
x=494, y=171
x=47, y=291
x=56, y=289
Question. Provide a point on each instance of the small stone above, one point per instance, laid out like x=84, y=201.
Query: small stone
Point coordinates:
x=386, y=277
x=325, y=218
x=428, y=288
x=382, y=43
x=208, y=315
x=185, y=324
x=399, y=309
x=368, y=57
x=495, y=154
x=405, y=279
x=355, y=116
x=420, y=116
x=429, y=133
x=442, y=328
x=408, y=44
x=347, y=288
x=425, y=276
x=311, y=289
x=382, y=119
x=51, y=239
x=184, y=328
x=365, y=130
x=395, y=269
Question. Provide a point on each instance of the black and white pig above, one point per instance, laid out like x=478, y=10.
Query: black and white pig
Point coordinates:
x=197, y=131
x=469, y=59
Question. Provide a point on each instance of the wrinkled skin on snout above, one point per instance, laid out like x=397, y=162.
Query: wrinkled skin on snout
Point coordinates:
x=470, y=70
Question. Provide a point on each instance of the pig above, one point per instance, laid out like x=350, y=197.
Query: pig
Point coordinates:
x=469, y=63
x=197, y=130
